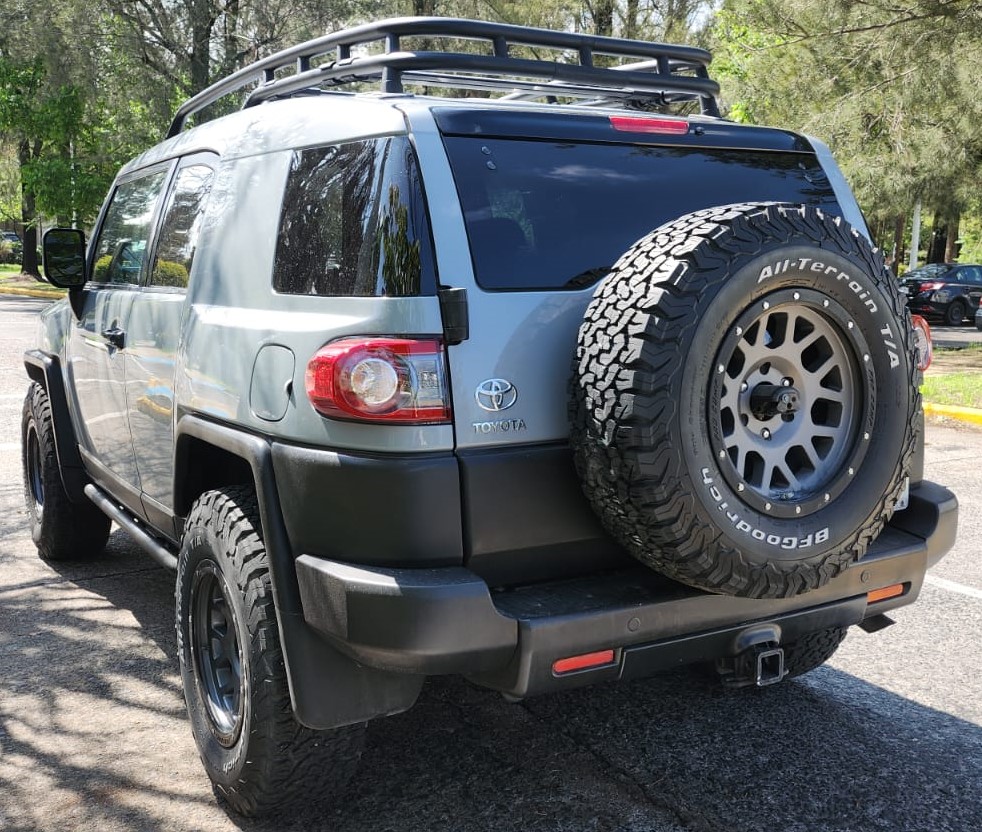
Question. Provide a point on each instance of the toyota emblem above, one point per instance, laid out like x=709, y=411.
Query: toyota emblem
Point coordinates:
x=495, y=394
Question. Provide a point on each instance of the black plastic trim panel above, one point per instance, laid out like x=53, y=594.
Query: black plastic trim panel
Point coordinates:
x=45, y=369
x=526, y=518
x=446, y=620
x=532, y=124
x=391, y=510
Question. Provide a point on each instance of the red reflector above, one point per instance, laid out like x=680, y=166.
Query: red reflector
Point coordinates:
x=922, y=339
x=582, y=662
x=884, y=593
x=634, y=124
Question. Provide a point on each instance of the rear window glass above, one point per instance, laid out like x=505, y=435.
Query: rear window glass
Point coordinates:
x=557, y=215
x=354, y=223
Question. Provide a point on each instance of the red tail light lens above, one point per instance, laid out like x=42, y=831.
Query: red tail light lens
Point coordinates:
x=636, y=124
x=922, y=340
x=930, y=286
x=389, y=380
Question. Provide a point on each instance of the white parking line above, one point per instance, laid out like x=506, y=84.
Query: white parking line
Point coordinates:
x=951, y=586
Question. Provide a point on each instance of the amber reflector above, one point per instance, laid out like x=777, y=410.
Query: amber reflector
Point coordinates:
x=883, y=594
x=582, y=662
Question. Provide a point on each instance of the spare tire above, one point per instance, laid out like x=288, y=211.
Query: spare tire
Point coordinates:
x=743, y=399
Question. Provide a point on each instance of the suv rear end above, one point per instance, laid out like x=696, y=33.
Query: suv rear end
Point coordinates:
x=363, y=431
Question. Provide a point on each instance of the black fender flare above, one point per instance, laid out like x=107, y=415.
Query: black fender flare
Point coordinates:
x=327, y=688
x=44, y=368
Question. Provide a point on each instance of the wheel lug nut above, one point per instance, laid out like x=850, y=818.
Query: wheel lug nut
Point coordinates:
x=765, y=433
x=743, y=387
x=797, y=509
x=740, y=486
x=787, y=381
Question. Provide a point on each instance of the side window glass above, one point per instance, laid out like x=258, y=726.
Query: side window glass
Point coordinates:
x=122, y=244
x=179, y=230
x=354, y=223
x=971, y=275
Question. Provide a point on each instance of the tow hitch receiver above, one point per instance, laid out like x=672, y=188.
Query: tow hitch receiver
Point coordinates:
x=759, y=664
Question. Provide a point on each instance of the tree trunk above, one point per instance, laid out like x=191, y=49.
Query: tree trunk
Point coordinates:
x=935, y=251
x=897, y=254
x=424, y=8
x=603, y=17
x=202, y=24
x=26, y=153
x=631, y=19
x=951, y=243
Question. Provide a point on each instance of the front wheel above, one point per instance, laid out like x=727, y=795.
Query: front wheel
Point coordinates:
x=256, y=754
x=61, y=529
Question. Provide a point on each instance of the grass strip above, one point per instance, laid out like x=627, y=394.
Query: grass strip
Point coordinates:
x=959, y=389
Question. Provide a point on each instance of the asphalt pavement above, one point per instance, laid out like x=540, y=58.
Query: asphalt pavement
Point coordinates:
x=887, y=736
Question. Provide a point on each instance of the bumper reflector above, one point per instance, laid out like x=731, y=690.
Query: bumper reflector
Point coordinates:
x=597, y=659
x=884, y=593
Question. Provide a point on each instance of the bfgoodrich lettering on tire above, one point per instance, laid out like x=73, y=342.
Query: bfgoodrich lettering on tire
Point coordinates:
x=257, y=756
x=743, y=399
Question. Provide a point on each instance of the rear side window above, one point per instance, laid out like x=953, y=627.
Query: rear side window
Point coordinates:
x=544, y=214
x=179, y=230
x=354, y=223
x=122, y=244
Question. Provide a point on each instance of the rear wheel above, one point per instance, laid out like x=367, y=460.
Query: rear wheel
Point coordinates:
x=258, y=757
x=955, y=313
x=61, y=529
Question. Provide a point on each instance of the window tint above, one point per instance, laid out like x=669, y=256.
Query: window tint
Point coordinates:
x=122, y=244
x=970, y=274
x=179, y=230
x=554, y=215
x=354, y=223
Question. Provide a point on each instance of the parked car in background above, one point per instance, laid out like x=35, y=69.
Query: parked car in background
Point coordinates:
x=978, y=316
x=943, y=291
x=10, y=247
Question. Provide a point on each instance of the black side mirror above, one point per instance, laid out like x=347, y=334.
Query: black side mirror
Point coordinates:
x=64, y=257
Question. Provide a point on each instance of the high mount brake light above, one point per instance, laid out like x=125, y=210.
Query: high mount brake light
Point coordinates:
x=922, y=340
x=387, y=380
x=635, y=124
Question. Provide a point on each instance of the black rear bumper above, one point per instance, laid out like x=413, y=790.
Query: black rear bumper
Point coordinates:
x=447, y=620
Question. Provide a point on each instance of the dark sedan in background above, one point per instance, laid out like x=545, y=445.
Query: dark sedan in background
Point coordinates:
x=948, y=292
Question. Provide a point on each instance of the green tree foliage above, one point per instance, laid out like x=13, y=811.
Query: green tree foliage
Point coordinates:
x=889, y=85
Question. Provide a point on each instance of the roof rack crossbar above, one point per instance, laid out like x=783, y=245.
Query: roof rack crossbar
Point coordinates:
x=661, y=63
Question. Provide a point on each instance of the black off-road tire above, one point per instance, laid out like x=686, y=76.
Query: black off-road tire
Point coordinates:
x=61, y=529
x=954, y=315
x=257, y=755
x=812, y=650
x=667, y=425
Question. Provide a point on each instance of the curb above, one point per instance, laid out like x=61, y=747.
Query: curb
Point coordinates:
x=31, y=293
x=963, y=414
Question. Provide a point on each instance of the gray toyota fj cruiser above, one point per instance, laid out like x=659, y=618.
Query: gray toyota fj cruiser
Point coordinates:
x=571, y=384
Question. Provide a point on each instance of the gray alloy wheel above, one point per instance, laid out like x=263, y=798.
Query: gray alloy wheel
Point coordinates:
x=789, y=399
x=217, y=657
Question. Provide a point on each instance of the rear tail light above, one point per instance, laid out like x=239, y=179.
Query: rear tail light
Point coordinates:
x=636, y=124
x=930, y=286
x=922, y=340
x=388, y=380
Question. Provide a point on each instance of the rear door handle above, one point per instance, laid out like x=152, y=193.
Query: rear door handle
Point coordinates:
x=115, y=336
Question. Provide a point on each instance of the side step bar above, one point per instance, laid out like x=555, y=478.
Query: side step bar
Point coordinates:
x=134, y=529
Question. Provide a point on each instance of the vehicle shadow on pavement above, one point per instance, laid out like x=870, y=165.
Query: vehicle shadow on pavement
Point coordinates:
x=93, y=734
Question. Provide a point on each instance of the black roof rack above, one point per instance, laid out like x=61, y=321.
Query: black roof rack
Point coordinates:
x=660, y=73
